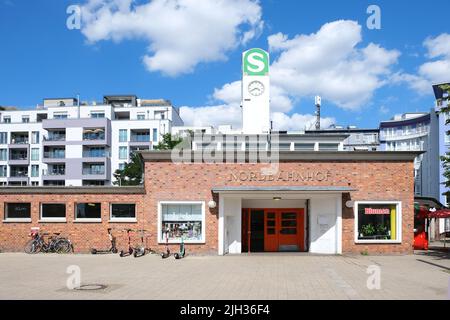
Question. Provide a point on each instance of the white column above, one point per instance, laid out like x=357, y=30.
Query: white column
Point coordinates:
x=221, y=231
x=339, y=224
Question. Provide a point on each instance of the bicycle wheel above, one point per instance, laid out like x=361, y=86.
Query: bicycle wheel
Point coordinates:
x=33, y=246
x=63, y=246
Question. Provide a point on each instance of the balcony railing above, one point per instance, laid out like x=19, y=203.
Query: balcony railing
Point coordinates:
x=19, y=141
x=19, y=174
x=92, y=171
x=54, y=155
x=18, y=157
x=96, y=154
x=143, y=138
x=57, y=137
x=90, y=137
x=54, y=172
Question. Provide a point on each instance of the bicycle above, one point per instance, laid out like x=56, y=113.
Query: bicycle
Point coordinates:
x=55, y=243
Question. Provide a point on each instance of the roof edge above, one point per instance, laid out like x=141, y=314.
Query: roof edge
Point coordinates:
x=195, y=156
x=73, y=190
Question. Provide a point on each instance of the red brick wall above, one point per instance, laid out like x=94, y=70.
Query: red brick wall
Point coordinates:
x=375, y=180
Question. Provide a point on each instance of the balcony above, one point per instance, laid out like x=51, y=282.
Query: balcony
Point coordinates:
x=96, y=154
x=54, y=174
x=18, y=158
x=54, y=156
x=18, y=141
x=93, y=171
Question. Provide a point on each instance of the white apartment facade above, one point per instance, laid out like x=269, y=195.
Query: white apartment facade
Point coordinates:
x=64, y=142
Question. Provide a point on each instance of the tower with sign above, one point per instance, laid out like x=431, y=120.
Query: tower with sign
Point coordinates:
x=255, y=92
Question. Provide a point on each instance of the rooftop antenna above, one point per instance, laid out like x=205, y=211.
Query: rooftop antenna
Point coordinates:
x=318, y=102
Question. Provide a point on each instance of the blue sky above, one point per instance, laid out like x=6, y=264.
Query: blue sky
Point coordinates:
x=40, y=57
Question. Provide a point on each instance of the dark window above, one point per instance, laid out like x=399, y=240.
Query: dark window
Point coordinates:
x=17, y=211
x=123, y=210
x=53, y=210
x=377, y=222
x=88, y=211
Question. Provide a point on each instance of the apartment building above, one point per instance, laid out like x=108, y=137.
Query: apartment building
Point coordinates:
x=358, y=139
x=65, y=142
x=414, y=132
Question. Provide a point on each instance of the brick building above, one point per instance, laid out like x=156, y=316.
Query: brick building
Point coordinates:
x=319, y=202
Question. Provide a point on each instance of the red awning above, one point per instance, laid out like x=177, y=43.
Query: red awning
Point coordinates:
x=442, y=213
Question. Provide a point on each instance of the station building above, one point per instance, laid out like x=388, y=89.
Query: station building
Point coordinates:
x=251, y=191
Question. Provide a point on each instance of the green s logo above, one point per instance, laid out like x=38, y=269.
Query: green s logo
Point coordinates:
x=256, y=62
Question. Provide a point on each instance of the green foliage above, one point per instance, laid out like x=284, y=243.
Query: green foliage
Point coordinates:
x=132, y=173
x=168, y=142
x=368, y=230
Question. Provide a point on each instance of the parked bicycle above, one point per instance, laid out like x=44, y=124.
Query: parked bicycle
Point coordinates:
x=55, y=243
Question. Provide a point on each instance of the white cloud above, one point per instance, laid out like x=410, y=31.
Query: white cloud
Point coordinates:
x=212, y=115
x=435, y=71
x=180, y=33
x=330, y=64
x=230, y=112
x=282, y=121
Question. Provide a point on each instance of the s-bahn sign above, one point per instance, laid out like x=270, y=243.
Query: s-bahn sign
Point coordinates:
x=256, y=62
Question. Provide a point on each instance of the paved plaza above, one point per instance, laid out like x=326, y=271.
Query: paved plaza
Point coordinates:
x=256, y=276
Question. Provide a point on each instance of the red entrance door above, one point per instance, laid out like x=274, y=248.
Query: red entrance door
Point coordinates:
x=283, y=229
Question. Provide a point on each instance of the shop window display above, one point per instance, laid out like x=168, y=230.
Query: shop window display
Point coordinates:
x=377, y=221
x=182, y=221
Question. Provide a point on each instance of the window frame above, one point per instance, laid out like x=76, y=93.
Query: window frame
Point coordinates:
x=126, y=152
x=163, y=241
x=87, y=220
x=398, y=221
x=5, y=211
x=129, y=220
x=43, y=219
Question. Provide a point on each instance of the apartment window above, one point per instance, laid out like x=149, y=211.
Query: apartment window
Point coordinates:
x=25, y=119
x=447, y=138
x=3, y=137
x=121, y=211
x=3, y=154
x=377, y=221
x=19, y=211
x=35, y=154
x=123, y=135
x=34, y=183
x=328, y=147
x=7, y=119
x=304, y=147
x=141, y=116
x=60, y=116
x=123, y=153
x=97, y=114
x=182, y=220
x=3, y=171
x=88, y=211
x=155, y=135
x=35, y=170
x=35, y=137
x=53, y=211
x=121, y=166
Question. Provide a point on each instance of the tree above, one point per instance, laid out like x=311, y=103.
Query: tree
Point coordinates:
x=131, y=174
x=168, y=142
x=445, y=101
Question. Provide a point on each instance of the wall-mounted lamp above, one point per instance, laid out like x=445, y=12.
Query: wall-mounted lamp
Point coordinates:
x=349, y=204
x=277, y=198
x=212, y=204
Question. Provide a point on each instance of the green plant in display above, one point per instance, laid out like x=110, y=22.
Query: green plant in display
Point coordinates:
x=368, y=230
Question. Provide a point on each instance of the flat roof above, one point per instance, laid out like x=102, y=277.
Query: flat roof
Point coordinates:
x=166, y=155
x=283, y=189
x=73, y=190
